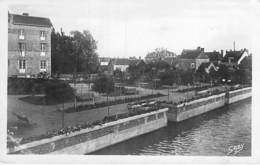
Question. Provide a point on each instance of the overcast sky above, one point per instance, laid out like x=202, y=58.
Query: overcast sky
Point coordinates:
x=126, y=28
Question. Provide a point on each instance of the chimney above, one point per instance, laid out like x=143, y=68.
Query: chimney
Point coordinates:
x=25, y=14
x=222, y=52
x=234, y=45
x=202, y=49
x=139, y=57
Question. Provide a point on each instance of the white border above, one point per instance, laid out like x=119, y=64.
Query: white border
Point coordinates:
x=255, y=158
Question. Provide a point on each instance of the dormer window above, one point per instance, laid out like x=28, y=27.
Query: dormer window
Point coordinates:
x=21, y=34
x=22, y=49
x=42, y=35
x=43, y=49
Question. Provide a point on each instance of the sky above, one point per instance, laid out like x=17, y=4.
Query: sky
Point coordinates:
x=126, y=28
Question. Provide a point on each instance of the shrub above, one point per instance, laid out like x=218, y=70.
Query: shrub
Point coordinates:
x=58, y=91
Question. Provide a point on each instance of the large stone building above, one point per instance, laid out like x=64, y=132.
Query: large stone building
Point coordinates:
x=29, y=45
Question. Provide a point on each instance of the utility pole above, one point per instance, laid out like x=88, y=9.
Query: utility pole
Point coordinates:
x=74, y=76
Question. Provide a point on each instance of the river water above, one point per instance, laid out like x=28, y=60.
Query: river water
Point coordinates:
x=212, y=134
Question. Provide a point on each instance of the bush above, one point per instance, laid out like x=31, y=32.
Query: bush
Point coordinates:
x=58, y=91
x=25, y=86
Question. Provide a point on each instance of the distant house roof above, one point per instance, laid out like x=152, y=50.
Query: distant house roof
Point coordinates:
x=214, y=56
x=191, y=53
x=236, y=55
x=208, y=66
x=169, y=60
x=202, y=55
x=104, y=61
x=30, y=20
x=136, y=62
x=121, y=61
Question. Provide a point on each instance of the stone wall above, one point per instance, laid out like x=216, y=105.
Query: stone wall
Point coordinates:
x=193, y=108
x=92, y=139
x=238, y=95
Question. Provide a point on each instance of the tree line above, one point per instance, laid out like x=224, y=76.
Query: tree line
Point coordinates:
x=73, y=53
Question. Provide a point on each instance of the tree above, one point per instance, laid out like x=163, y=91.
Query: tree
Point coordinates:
x=73, y=53
x=118, y=74
x=85, y=52
x=104, y=84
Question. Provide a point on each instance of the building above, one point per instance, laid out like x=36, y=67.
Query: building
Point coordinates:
x=190, y=59
x=233, y=58
x=106, y=65
x=215, y=56
x=208, y=67
x=121, y=64
x=29, y=45
x=159, y=54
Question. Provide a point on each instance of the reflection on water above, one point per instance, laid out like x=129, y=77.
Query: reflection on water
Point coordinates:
x=212, y=134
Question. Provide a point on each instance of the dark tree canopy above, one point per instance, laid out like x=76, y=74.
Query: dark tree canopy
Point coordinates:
x=104, y=84
x=75, y=53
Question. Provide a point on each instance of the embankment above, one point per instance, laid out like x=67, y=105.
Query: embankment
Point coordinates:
x=199, y=106
x=92, y=139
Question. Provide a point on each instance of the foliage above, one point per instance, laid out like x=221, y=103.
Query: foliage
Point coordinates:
x=58, y=91
x=118, y=74
x=104, y=84
x=26, y=85
x=75, y=53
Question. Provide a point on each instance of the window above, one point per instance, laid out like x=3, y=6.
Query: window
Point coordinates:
x=42, y=35
x=43, y=65
x=21, y=34
x=22, y=66
x=22, y=49
x=43, y=49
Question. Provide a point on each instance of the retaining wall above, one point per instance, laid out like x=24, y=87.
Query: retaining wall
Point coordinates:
x=193, y=108
x=98, y=137
x=240, y=94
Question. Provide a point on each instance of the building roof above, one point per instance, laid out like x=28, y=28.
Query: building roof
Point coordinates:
x=191, y=53
x=30, y=20
x=235, y=54
x=214, y=56
x=202, y=55
x=121, y=61
x=208, y=66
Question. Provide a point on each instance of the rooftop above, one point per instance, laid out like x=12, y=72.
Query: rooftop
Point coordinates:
x=30, y=20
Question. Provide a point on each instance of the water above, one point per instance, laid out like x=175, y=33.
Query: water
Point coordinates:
x=211, y=134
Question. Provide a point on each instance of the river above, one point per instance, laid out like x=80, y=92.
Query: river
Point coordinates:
x=215, y=133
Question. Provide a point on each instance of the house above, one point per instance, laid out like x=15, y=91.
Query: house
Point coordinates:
x=106, y=65
x=121, y=64
x=215, y=56
x=29, y=45
x=208, y=67
x=190, y=59
x=233, y=58
x=159, y=54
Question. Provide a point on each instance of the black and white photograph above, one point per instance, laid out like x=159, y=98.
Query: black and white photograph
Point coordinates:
x=160, y=78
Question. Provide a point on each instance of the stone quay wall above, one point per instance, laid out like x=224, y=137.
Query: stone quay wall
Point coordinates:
x=193, y=108
x=101, y=136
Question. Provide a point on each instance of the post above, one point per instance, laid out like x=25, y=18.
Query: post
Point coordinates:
x=107, y=106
